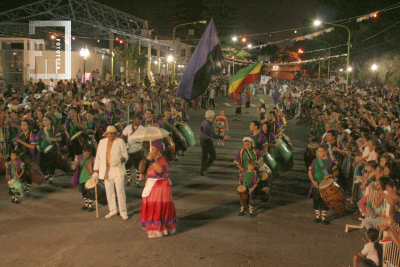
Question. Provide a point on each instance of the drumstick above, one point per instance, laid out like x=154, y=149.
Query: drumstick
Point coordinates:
x=97, y=207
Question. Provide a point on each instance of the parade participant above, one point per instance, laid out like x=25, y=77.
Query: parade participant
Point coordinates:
x=149, y=120
x=246, y=153
x=15, y=169
x=248, y=177
x=175, y=115
x=259, y=140
x=104, y=116
x=91, y=125
x=248, y=99
x=26, y=143
x=206, y=142
x=116, y=114
x=157, y=213
x=167, y=122
x=128, y=131
x=46, y=136
x=328, y=127
x=51, y=112
x=181, y=112
x=109, y=166
x=336, y=152
x=273, y=127
x=221, y=125
x=321, y=168
x=83, y=167
x=74, y=124
x=318, y=129
x=239, y=103
x=372, y=250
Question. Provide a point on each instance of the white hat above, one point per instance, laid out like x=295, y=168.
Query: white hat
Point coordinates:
x=111, y=129
x=247, y=139
x=347, y=131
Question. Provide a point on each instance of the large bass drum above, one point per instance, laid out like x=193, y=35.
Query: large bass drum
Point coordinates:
x=187, y=134
x=264, y=186
x=333, y=195
x=169, y=151
x=310, y=153
x=32, y=170
x=283, y=156
x=179, y=140
x=101, y=191
x=136, y=153
x=59, y=160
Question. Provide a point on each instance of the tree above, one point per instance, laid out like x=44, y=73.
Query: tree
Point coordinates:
x=131, y=58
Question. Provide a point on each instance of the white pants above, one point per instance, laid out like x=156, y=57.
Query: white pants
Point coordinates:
x=113, y=184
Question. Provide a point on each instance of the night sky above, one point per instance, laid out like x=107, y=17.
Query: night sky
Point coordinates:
x=255, y=17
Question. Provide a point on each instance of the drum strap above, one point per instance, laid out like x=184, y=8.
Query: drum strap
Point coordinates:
x=86, y=167
x=248, y=154
x=322, y=166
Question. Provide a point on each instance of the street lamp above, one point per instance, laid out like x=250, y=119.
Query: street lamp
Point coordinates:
x=317, y=22
x=244, y=40
x=234, y=38
x=173, y=37
x=84, y=54
x=374, y=67
x=329, y=58
x=349, y=69
x=233, y=71
x=249, y=45
x=341, y=70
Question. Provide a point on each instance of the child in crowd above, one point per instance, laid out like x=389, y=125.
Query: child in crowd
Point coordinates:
x=83, y=166
x=249, y=179
x=221, y=125
x=372, y=250
x=370, y=176
x=15, y=169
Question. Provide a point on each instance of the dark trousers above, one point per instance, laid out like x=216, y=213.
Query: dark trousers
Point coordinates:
x=208, y=153
x=318, y=203
x=212, y=104
x=46, y=163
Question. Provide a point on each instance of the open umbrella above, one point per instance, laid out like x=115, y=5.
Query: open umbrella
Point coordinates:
x=150, y=133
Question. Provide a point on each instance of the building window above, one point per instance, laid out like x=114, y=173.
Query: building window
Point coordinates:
x=183, y=52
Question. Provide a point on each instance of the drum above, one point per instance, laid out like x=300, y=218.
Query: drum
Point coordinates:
x=271, y=163
x=144, y=166
x=136, y=153
x=16, y=187
x=287, y=140
x=187, y=134
x=179, y=140
x=77, y=143
x=264, y=186
x=333, y=195
x=283, y=156
x=169, y=151
x=310, y=153
x=59, y=160
x=243, y=195
x=32, y=170
x=101, y=191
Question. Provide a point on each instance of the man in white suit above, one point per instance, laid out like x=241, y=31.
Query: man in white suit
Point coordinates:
x=110, y=165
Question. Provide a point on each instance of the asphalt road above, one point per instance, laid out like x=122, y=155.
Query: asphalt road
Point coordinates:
x=50, y=229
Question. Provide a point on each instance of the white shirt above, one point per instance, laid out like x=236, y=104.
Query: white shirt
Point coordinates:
x=212, y=92
x=51, y=86
x=128, y=132
x=370, y=252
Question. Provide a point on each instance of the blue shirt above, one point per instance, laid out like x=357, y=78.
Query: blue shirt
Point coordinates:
x=208, y=130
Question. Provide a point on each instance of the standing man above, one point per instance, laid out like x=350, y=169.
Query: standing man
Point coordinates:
x=206, y=141
x=79, y=76
x=110, y=166
x=128, y=131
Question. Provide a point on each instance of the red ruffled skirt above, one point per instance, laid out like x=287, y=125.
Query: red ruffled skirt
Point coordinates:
x=157, y=214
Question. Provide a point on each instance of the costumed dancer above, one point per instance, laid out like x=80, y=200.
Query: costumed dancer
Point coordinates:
x=260, y=141
x=157, y=213
x=181, y=112
x=128, y=131
x=110, y=166
x=14, y=170
x=26, y=143
x=45, y=137
x=246, y=153
x=248, y=177
x=321, y=168
x=273, y=126
x=167, y=123
x=83, y=167
x=221, y=125
x=239, y=104
x=74, y=124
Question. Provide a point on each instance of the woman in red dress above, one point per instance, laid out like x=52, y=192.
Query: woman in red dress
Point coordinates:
x=157, y=214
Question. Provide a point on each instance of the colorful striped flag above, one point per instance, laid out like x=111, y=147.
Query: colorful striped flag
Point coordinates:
x=244, y=76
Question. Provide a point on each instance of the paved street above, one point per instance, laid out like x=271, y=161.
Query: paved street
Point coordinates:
x=50, y=229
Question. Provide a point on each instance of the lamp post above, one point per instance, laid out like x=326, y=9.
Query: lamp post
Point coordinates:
x=84, y=54
x=329, y=58
x=170, y=59
x=173, y=40
x=317, y=22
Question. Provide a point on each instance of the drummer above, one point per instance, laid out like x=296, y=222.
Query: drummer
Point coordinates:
x=47, y=136
x=317, y=174
x=74, y=124
x=273, y=127
x=180, y=112
x=83, y=167
x=149, y=120
x=260, y=142
x=167, y=122
x=26, y=143
x=336, y=152
x=14, y=126
x=14, y=165
x=248, y=177
x=246, y=153
x=115, y=113
x=127, y=132
x=175, y=115
x=318, y=129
